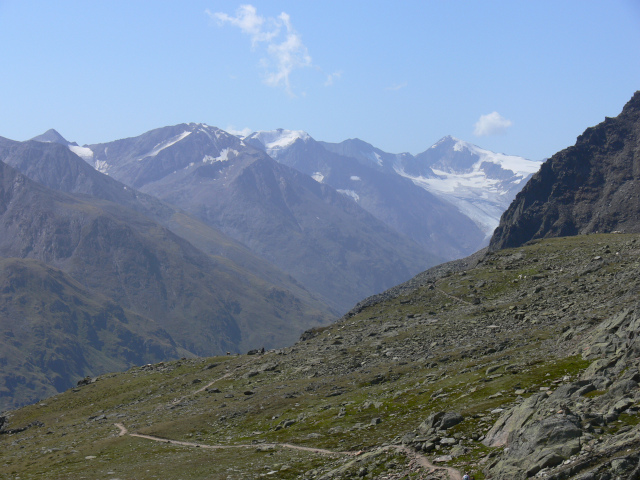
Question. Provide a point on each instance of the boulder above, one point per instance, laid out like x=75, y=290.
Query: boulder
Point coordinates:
x=440, y=421
x=513, y=420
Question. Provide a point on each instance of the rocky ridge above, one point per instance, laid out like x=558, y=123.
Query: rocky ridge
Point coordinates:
x=587, y=188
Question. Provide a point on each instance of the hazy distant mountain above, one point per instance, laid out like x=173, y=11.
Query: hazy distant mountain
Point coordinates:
x=56, y=167
x=52, y=136
x=480, y=183
x=587, y=188
x=397, y=201
x=367, y=154
x=207, y=304
x=106, y=243
x=324, y=240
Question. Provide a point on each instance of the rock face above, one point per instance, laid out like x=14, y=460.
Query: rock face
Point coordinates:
x=545, y=430
x=590, y=187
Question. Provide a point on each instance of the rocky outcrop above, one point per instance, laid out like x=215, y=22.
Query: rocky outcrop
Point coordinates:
x=590, y=187
x=560, y=433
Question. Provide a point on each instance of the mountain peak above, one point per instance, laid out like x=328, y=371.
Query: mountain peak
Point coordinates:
x=274, y=141
x=52, y=136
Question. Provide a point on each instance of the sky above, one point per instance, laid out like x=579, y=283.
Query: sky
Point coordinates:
x=517, y=77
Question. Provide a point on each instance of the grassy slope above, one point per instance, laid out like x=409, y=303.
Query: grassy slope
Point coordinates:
x=433, y=349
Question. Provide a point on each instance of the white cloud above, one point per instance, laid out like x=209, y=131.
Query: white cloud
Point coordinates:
x=238, y=133
x=491, y=124
x=283, y=55
x=250, y=23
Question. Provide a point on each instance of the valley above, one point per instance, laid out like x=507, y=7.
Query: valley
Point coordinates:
x=373, y=382
x=518, y=361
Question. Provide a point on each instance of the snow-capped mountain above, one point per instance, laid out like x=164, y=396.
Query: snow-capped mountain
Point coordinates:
x=161, y=152
x=447, y=199
x=480, y=183
x=371, y=181
x=275, y=142
x=331, y=245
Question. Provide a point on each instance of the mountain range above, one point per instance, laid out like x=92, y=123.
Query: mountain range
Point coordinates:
x=448, y=212
x=202, y=303
x=516, y=362
x=321, y=238
x=203, y=242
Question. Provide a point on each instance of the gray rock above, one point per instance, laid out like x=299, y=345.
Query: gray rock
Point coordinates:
x=428, y=447
x=564, y=392
x=512, y=421
x=440, y=421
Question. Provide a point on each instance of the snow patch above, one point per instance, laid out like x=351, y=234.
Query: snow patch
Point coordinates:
x=102, y=166
x=350, y=193
x=318, y=177
x=161, y=146
x=520, y=166
x=225, y=155
x=84, y=153
x=374, y=157
x=274, y=141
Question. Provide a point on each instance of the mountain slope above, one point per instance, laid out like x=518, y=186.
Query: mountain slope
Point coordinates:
x=56, y=167
x=422, y=383
x=326, y=242
x=206, y=305
x=55, y=332
x=396, y=201
x=590, y=187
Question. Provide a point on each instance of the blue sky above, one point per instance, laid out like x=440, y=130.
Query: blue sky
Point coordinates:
x=519, y=77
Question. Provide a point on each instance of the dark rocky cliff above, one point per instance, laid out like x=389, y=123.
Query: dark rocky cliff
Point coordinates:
x=590, y=187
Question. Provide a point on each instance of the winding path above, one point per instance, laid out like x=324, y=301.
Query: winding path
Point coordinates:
x=420, y=460
x=453, y=297
x=424, y=462
x=124, y=431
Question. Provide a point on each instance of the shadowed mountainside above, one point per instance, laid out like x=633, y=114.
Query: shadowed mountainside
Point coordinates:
x=590, y=187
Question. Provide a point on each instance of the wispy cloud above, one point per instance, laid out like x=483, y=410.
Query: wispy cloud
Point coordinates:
x=331, y=78
x=397, y=86
x=248, y=20
x=491, y=124
x=282, y=44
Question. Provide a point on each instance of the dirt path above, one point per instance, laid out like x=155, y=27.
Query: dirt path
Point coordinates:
x=123, y=429
x=321, y=451
x=424, y=462
x=453, y=297
x=419, y=459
